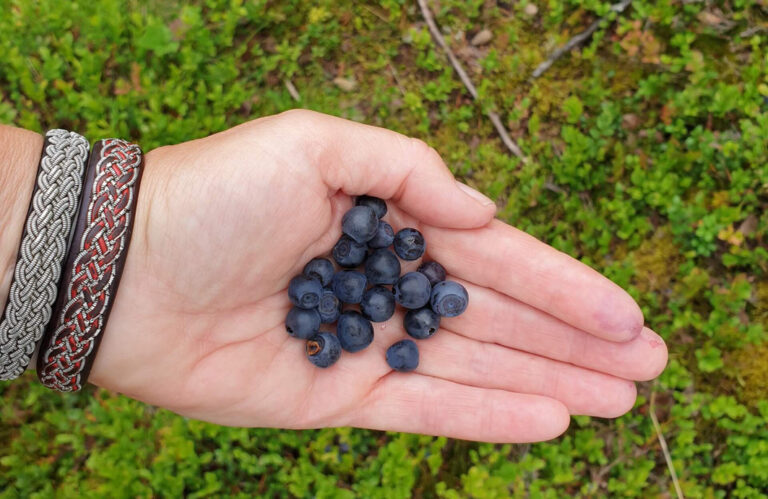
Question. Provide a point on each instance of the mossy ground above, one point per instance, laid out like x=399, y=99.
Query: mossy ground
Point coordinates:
x=648, y=162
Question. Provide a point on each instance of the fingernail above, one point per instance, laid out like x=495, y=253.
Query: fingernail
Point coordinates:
x=477, y=196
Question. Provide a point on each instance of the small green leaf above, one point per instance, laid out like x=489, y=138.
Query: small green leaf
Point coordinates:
x=159, y=39
x=709, y=359
x=573, y=109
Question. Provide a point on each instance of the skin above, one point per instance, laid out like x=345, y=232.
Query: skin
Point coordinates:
x=223, y=224
x=19, y=156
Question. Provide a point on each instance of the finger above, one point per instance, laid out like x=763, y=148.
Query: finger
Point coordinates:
x=456, y=358
x=496, y=318
x=362, y=159
x=518, y=265
x=416, y=403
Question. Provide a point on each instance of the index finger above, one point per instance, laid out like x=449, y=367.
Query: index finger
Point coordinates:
x=512, y=262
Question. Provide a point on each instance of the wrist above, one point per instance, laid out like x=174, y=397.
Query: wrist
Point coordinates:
x=20, y=152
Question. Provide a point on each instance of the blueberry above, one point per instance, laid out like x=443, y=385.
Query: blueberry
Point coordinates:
x=409, y=244
x=421, y=323
x=384, y=236
x=360, y=223
x=348, y=252
x=329, y=307
x=302, y=323
x=305, y=291
x=323, y=349
x=348, y=285
x=382, y=267
x=434, y=272
x=354, y=331
x=378, y=304
x=377, y=205
x=412, y=290
x=321, y=269
x=403, y=356
x=449, y=298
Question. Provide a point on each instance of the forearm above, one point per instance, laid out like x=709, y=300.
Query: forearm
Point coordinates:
x=20, y=152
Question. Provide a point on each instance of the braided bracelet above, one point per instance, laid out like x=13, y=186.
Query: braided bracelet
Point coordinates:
x=94, y=265
x=43, y=247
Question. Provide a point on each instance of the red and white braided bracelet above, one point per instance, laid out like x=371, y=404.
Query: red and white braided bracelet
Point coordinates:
x=94, y=265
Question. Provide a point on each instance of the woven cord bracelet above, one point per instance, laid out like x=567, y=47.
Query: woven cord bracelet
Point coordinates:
x=94, y=265
x=43, y=247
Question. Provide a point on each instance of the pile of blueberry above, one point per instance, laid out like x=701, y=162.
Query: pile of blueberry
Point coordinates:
x=324, y=295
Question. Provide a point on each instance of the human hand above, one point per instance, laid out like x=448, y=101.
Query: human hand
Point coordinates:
x=223, y=223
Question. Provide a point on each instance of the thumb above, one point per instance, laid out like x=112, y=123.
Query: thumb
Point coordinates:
x=362, y=159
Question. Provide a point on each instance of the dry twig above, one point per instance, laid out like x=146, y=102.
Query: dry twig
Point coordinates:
x=396, y=77
x=551, y=186
x=752, y=31
x=492, y=115
x=292, y=90
x=576, y=40
x=663, y=443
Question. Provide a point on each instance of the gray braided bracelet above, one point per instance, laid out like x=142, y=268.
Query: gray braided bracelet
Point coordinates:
x=44, y=245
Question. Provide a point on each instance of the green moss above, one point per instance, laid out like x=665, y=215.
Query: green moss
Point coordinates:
x=751, y=371
x=761, y=303
x=653, y=261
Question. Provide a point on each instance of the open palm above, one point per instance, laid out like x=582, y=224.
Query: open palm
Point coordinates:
x=224, y=222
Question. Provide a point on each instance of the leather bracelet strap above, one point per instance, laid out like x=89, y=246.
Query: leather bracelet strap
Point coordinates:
x=94, y=265
x=44, y=243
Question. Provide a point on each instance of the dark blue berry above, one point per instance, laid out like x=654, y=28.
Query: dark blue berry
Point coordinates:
x=323, y=349
x=421, y=323
x=412, y=290
x=354, y=331
x=321, y=269
x=360, y=223
x=377, y=205
x=378, y=304
x=449, y=298
x=329, y=307
x=382, y=267
x=409, y=244
x=302, y=323
x=349, y=285
x=384, y=236
x=403, y=356
x=434, y=272
x=348, y=252
x=305, y=291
